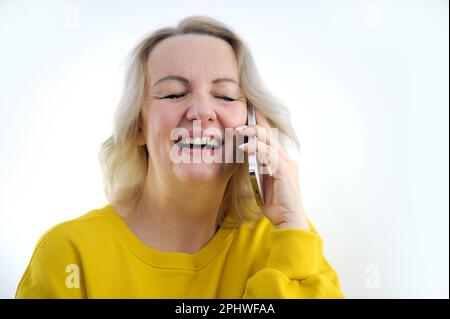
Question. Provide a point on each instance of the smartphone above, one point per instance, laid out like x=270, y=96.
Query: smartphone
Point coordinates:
x=254, y=169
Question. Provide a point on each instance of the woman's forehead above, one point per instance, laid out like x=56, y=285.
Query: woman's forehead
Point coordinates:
x=191, y=45
x=192, y=55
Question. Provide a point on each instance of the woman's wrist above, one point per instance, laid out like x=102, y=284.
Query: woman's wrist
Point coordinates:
x=300, y=223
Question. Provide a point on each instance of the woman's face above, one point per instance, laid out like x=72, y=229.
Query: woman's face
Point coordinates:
x=198, y=60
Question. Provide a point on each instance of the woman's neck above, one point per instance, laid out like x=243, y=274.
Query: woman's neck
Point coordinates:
x=173, y=221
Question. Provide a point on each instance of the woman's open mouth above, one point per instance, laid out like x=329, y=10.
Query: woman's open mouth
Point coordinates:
x=197, y=142
x=204, y=146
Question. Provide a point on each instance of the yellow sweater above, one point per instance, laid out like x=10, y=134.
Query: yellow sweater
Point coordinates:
x=97, y=256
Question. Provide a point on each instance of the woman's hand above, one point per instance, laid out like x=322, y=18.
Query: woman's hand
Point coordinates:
x=282, y=199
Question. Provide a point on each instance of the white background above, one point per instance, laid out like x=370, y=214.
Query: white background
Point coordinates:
x=367, y=84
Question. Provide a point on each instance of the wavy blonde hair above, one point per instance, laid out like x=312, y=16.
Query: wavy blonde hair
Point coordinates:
x=124, y=163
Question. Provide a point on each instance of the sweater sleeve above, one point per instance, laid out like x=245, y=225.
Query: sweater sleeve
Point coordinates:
x=54, y=270
x=295, y=268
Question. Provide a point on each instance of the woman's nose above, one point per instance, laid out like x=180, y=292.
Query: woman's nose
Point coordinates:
x=201, y=108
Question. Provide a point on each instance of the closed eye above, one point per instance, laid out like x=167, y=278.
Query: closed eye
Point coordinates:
x=226, y=98
x=173, y=96
x=177, y=96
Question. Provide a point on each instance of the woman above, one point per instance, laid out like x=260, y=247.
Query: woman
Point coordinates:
x=188, y=229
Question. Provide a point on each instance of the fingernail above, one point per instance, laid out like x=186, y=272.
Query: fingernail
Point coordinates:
x=241, y=128
x=241, y=147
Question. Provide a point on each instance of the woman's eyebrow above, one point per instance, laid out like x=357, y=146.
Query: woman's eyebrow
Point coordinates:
x=186, y=81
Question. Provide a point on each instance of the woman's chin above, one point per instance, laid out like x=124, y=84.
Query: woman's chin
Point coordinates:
x=197, y=172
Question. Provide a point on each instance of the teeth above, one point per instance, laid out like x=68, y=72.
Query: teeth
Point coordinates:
x=197, y=141
x=212, y=143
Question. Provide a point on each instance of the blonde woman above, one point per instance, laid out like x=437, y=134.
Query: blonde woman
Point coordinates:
x=188, y=229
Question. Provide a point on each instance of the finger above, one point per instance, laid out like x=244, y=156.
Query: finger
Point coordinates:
x=266, y=135
x=262, y=121
x=267, y=156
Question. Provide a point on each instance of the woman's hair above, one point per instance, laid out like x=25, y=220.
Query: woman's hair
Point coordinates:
x=124, y=162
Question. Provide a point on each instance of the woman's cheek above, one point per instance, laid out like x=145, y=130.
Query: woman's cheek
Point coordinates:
x=236, y=116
